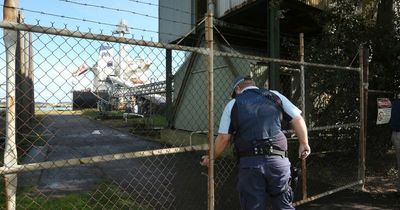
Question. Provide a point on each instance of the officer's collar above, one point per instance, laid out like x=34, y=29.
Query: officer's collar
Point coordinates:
x=248, y=88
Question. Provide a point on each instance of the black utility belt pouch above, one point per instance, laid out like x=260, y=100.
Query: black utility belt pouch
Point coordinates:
x=267, y=150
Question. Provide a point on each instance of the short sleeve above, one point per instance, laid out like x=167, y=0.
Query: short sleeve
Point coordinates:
x=225, y=120
x=288, y=106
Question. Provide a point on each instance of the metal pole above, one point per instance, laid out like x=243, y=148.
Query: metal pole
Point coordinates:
x=119, y=68
x=330, y=192
x=302, y=81
x=100, y=159
x=273, y=47
x=10, y=151
x=168, y=83
x=303, y=109
x=30, y=77
x=210, y=45
x=365, y=110
x=363, y=86
x=361, y=159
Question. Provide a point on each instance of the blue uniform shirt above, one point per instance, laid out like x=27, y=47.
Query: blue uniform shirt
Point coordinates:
x=287, y=106
x=395, y=116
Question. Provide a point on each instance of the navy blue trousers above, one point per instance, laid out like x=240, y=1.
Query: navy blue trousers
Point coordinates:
x=262, y=176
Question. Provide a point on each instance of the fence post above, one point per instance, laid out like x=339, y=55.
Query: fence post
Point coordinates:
x=10, y=151
x=24, y=104
x=210, y=46
x=363, y=54
x=303, y=110
x=168, y=83
x=273, y=29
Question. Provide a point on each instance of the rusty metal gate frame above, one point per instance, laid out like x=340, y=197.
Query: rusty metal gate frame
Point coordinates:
x=11, y=168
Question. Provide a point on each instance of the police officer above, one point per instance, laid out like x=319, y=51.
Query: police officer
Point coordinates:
x=253, y=117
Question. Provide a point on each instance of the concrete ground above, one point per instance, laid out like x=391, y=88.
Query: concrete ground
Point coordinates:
x=72, y=137
x=159, y=182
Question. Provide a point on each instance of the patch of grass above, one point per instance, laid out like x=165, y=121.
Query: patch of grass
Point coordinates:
x=157, y=121
x=76, y=201
x=39, y=112
x=94, y=114
x=137, y=123
x=107, y=196
x=90, y=113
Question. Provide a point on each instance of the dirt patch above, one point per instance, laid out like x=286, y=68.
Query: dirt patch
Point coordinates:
x=379, y=192
x=381, y=184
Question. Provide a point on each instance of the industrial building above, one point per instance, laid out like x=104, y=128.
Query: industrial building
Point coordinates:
x=251, y=27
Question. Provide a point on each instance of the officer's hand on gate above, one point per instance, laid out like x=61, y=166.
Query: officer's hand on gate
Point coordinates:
x=205, y=160
x=304, y=151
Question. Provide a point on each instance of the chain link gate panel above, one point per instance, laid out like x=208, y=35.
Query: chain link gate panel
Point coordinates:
x=103, y=124
x=98, y=132
x=333, y=117
x=332, y=113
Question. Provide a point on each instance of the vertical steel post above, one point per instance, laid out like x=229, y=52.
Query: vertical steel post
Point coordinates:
x=30, y=76
x=303, y=109
x=363, y=104
x=302, y=80
x=210, y=46
x=10, y=151
x=273, y=46
x=24, y=108
x=362, y=143
x=168, y=81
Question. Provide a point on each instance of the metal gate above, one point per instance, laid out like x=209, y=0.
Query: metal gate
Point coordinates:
x=137, y=143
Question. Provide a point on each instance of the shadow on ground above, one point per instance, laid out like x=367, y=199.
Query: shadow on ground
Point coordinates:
x=355, y=200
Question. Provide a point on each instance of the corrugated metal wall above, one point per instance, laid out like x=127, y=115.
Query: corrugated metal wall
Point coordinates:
x=226, y=5
x=231, y=5
x=175, y=23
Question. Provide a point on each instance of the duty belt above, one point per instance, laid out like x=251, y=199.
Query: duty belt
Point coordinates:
x=263, y=151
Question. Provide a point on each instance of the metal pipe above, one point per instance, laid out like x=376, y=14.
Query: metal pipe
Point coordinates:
x=276, y=60
x=99, y=159
x=302, y=80
x=315, y=197
x=12, y=25
x=199, y=50
x=365, y=70
x=168, y=84
x=363, y=85
x=379, y=91
x=10, y=151
x=303, y=113
x=273, y=46
x=210, y=45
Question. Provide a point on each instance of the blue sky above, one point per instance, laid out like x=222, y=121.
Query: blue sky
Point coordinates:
x=57, y=57
x=135, y=17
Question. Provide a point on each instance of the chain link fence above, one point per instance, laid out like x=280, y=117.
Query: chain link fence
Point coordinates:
x=105, y=122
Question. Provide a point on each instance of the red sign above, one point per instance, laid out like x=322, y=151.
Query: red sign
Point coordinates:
x=384, y=103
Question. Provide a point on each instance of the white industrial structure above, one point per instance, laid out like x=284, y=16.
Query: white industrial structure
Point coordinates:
x=119, y=78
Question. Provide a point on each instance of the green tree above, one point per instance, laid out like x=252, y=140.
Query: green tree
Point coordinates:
x=346, y=25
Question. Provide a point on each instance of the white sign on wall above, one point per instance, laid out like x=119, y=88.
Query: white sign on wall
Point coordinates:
x=384, y=111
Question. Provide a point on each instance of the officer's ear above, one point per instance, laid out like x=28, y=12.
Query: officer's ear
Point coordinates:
x=237, y=88
x=235, y=91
